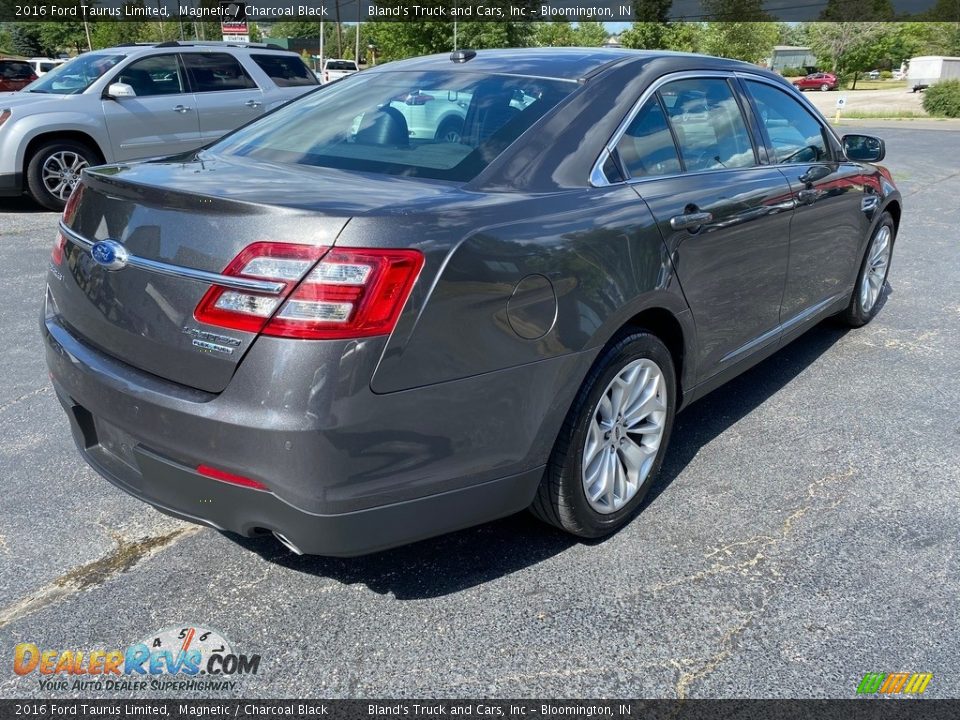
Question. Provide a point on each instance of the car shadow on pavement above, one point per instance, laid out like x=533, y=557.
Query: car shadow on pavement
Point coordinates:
x=468, y=558
x=21, y=204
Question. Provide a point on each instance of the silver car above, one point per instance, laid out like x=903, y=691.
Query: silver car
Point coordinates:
x=133, y=102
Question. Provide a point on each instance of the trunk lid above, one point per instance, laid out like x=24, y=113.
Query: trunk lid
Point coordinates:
x=189, y=215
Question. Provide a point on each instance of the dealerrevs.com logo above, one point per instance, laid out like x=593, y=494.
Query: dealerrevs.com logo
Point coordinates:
x=181, y=658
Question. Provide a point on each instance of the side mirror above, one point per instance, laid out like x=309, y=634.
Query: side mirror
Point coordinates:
x=866, y=148
x=118, y=91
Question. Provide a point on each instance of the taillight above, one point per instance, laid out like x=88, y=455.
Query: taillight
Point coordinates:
x=350, y=293
x=58, y=247
x=244, y=310
x=70, y=209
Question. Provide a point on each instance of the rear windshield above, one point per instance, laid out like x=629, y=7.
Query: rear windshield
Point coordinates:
x=285, y=70
x=14, y=70
x=341, y=65
x=443, y=126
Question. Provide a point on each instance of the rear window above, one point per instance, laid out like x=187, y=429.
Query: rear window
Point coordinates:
x=285, y=70
x=341, y=65
x=216, y=72
x=443, y=126
x=12, y=70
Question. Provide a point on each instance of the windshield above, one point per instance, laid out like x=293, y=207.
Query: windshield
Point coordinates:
x=438, y=125
x=75, y=76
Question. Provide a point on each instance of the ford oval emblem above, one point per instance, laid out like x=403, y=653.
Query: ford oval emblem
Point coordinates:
x=109, y=254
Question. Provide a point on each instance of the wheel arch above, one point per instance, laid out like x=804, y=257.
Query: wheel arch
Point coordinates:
x=896, y=210
x=76, y=135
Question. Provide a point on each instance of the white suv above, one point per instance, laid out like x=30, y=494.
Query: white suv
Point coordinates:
x=133, y=102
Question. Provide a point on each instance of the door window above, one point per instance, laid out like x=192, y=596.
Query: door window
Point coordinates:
x=795, y=134
x=157, y=75
x=646, y=148
x=284, y=70
x=216, y=72
x=708, y=124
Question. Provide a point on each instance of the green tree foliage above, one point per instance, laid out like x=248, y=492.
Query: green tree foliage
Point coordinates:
x=851, y=47
x=554, y=34
x=857, y=10
x=25, y=39
x=680, y=36
x=750, y=41
x=590, y=34
x=397, y=40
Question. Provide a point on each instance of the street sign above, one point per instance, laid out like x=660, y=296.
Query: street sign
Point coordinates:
x=841, y=102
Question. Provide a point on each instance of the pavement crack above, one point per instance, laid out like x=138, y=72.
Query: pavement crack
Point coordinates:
x=758, y=548
x=26, y=396
x=125, y=556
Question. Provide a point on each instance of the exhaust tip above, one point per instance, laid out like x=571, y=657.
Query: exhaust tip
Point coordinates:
x=286, y=543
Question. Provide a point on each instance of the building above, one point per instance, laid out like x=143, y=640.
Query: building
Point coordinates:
x=791, y=56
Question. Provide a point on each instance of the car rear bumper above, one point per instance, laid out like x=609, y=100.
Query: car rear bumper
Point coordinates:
x=184, y=493
x=349, y=471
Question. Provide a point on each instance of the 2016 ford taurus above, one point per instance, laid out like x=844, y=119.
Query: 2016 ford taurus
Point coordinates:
x=329, y=328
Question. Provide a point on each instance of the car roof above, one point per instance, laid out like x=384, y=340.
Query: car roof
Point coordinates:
x=210, y=46
x=567, y=63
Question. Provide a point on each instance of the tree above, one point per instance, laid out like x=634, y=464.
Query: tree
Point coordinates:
x=680, y=36
x=590, y=34
x=554, y=34
x=750, y=41
x=25, y=39
x=851, y=47
x=854, y=10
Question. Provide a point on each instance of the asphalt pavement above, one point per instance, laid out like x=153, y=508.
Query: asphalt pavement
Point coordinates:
x=804, y=531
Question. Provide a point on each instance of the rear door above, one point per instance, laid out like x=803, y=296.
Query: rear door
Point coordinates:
x=161, y=120
x=724, y=217
x=831, y=197
x=286, y=73
x=227, y=97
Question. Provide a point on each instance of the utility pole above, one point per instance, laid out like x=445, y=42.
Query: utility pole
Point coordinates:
x=454, y=35
x=356, y=53
x=321, y=48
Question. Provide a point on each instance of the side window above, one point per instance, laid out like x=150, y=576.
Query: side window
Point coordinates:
x=285, y=71
x=156, y=75
x=709, y=126
x=795, y=134
x=216, y=72
x=646, y=148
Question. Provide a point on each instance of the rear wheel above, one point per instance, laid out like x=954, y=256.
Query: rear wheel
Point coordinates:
x=450, y=131
x=54, y=170
x=613, y=440
x=824, y=87
x=865, y=302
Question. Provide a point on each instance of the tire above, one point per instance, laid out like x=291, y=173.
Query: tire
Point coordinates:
x=68, y=156
x=450, y=127
x=874, y=269
x=824, y=87
x=562, y=498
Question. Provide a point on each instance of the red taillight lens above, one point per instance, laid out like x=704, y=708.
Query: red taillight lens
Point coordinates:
x=350, y=293
x=223, y=476
x=58, y=247
x=249, y=311
x=70, y=209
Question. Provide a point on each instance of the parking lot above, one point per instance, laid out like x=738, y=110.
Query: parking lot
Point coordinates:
x=803, y=533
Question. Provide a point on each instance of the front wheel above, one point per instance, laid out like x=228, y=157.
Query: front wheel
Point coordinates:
x=824, y=87
x=613, y=440
x=865, y=301
x=54, y=170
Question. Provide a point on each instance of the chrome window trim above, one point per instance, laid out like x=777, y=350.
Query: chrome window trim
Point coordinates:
x=599, y=179
x=268, y=287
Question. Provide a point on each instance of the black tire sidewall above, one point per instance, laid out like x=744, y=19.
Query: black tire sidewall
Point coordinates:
x=35, y=184
x=627, y=349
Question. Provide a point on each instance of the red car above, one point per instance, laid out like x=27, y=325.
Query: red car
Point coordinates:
x=822, y=81
x=15, y=75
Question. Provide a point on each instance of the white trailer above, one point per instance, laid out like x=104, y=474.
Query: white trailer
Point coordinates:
x=931, y=69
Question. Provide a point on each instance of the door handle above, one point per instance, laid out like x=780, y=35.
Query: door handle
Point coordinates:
x=182, y=109
x=253, y=103
x=690, y=221
x=808, y=196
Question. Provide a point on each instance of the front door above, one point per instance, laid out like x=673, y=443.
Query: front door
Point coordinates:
x=829, y=224
x=725, y=218
x=161, y=119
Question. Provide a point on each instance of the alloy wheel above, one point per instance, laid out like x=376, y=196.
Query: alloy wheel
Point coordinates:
x=624, y=436
x=875, y=273
x=61, y=172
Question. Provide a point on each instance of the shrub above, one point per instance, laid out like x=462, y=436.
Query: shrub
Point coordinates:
x=885, y=74
x=794, y=72
x=943, y=99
